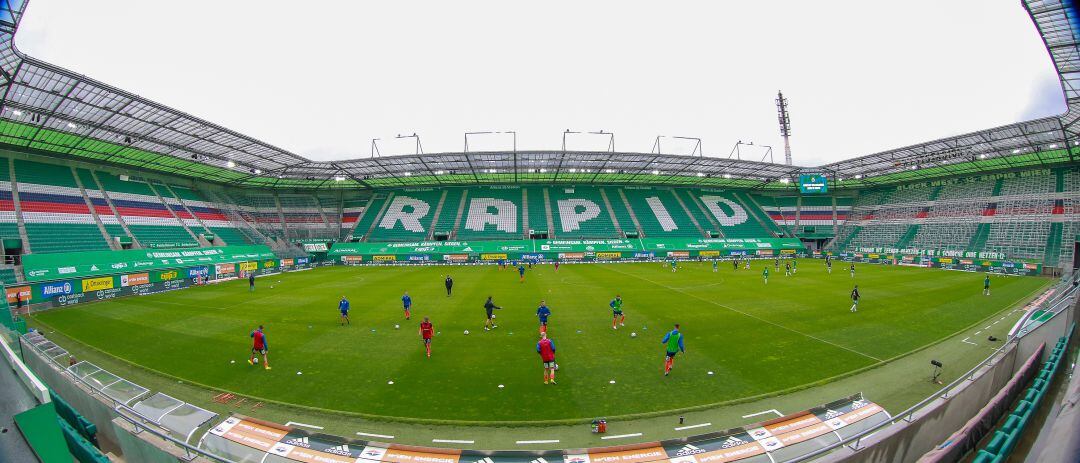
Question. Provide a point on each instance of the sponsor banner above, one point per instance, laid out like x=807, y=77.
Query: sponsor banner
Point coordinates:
x=417, y=258
x=629, y=456
x=269, y=264
x=248, y=266
x=352, y=259
x=644, y=255
x=94, y=284
x=18, y=293
x=170, y=275
x=765, y=252
x=536, y=256
x=194, y=272
x=110, y=293
x=609, y=255
x=562, y=246
x=571, y=255
x=303, y=260
x=56, y=288
x=787, y=251
x=319, y=448
x=678, y=254
x=134, y=279
x=224, y=269
x=45, y=267
x=394, y=455
x=248, y=433
x=456, y=257
x=383, y=258
x=709, y=253
x=287, y=262
x=731, y=448
x=495, y=256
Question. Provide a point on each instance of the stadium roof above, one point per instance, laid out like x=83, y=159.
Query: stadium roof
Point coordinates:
x=53, y=111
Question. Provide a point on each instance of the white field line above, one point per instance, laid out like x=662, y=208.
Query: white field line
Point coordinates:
x=452, y=441
x=622, y=436
x=766, y=412
x=545, y=441
x=968, y=342
x=702, y=425
x=381, y=436
x=294, y=423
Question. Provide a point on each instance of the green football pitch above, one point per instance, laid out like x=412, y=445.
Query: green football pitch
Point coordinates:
x=743, y=338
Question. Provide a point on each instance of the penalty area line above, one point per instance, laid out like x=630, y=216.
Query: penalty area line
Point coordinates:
x=766, y=412
x=381, y=436
x=294, y=423
x=702, y=425
x=621, y=436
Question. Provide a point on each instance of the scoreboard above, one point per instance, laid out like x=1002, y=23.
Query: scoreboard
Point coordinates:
x=813, y=184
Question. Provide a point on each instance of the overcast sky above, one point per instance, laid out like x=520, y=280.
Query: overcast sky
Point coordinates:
x=323, y=78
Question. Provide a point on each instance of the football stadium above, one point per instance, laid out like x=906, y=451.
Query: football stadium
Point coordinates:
x=529, y=306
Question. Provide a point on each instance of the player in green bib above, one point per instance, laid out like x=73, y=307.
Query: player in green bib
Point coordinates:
x=617, y=313
x=765, y=274
x=986, y=285
x=673, y=341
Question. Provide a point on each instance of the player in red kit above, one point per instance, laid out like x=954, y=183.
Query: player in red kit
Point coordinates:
x=546, y=348
x=426, y=332
x=259, y=345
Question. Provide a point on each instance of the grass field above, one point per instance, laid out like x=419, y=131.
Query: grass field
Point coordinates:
x=757, y=339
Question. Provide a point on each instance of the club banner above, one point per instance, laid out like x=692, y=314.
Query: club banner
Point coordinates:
x=947, y=263
x=45, y=267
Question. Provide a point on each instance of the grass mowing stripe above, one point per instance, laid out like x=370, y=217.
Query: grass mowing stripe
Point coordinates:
x=749, y=315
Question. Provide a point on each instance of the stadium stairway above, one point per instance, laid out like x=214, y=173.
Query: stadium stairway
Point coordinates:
x=450, y=212
x=698, y=213
x=548, y=216
x=657, y=213
x=369, y=226
x=113, y=244
x=189, y=218
x=147, y=217
x=611, y=212
x=368, y=215
x=114, y=223
x=906, y=238
x=20, y=223
x=626, y=214
x=758, y=214
x=171, y=206
x=438, y=212
x=460, y=213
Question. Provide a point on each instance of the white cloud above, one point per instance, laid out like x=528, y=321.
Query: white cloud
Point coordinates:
x=323, y=79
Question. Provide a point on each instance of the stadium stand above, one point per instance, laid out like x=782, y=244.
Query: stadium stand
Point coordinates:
x=659, y=214
x=369, y=214
x=210, y=216
x=620, y=208
x=446, y=212
x=351, y=209
x=492, y=212
x=144, y=213
x=304, y=218
x=409, y=215
x=580, y=212
x=55, y=214
x=538, y=206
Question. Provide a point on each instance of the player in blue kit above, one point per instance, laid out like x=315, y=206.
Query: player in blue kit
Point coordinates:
x=543, y=312
x=343, y=307
x=406, y=303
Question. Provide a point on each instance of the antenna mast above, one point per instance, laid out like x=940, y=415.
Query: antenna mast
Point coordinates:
x=785, y=125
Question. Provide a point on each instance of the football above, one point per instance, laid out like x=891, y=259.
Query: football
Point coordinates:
x=466, y=332
x=397, y=326
x=633, y=335
x=254, y=360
